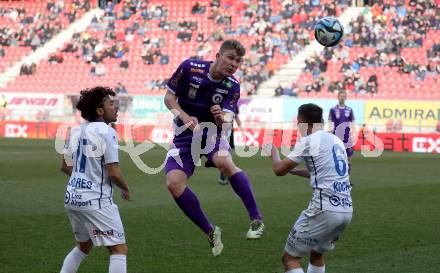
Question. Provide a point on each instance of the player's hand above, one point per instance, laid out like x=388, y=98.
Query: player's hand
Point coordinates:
x=191, y=122
x=217, y=112
x=126, y=195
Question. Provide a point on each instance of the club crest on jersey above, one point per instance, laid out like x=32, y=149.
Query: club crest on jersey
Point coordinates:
x=197, y=79
x=193, y=90
x=217, y=98
x=347, y=113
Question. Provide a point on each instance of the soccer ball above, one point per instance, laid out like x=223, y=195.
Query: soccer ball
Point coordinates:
x=328, y=31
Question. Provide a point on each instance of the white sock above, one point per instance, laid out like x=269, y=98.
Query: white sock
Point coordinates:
x=73, y=260
x=118, y=264
x=296, y=270
x=315, y=269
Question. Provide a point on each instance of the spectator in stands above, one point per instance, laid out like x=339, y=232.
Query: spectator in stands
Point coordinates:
x=28, y=69
x=279, y=90
x=100, y=70
x=372, y=84
x=198, y=9
x=120, y=89
x=164, y=59
x=2, y=52
x=124, y=63
x=35, y=42
x=56, y=58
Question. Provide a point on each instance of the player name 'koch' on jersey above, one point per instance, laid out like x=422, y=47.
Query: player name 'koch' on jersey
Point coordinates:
x=326, y=160
x=90, y=146
x=197, y=91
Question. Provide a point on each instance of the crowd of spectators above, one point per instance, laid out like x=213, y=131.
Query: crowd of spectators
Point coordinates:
x=388, y=28
x=25, y=29
x=274, y=32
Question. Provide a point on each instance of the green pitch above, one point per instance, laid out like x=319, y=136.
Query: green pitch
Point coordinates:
x=395, y=227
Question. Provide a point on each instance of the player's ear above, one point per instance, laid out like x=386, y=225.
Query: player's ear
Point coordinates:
x=217, y=55
x=100, y=111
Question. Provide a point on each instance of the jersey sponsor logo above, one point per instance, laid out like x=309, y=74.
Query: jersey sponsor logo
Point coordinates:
x=79, y=204
x=426, y=145
x=197, y=79
x=341, y=186
x=197, y=65
x=223, y=91
x=66, y=197
x=193, y=90
x=80, y=183
x=103, y=233
x=337, y=201
x=196, y=70
x=217, y=98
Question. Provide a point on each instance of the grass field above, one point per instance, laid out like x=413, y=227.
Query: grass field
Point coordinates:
x=395, y=228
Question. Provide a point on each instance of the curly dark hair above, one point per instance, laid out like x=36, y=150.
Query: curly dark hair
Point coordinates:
x=92, y=98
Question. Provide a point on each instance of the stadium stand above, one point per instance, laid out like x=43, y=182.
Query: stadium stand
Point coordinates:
x=27, y=25
x=140, y=44
x=390, y=51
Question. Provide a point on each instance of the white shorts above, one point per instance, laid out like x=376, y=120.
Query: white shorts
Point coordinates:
x=102, y=226
x=317, y=232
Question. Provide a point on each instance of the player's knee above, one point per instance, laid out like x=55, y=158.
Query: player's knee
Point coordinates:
x=85, y=247
x=316, y=258
x=121, y=249
x=289, y=261
x=175, y=186
x=227, y=167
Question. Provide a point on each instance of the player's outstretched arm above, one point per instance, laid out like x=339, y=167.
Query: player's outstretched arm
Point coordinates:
x=64, y=167
x=280, y=167
x=171, y=103
x=115, y=174
x=302, y=173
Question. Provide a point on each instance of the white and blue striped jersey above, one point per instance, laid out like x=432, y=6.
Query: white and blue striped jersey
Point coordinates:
x=90, y=146
x=326, y=159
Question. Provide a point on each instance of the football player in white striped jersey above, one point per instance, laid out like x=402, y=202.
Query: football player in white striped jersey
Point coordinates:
x=330, y=210
x=92, y=162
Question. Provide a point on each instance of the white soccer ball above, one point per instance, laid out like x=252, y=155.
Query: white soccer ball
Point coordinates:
x=328, y=31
